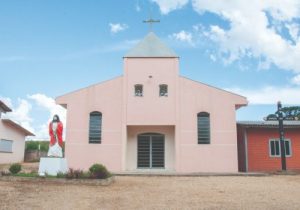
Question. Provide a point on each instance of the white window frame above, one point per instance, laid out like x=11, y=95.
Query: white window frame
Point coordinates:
x=2, y=151
x=290, y=147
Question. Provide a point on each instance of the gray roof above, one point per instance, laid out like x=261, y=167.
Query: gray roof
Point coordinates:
x=4, y=108
x=151, y=46
x=269, y=124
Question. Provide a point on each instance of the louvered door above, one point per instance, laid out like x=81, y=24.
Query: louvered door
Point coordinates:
x=151, y=151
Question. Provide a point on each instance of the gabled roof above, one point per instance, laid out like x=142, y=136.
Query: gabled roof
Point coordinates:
x=17, y=126
x=151, y=46
x=4, y=107
x=268, y=124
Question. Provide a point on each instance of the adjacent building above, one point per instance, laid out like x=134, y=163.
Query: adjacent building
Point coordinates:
x=12, y=138
x=151, y=118
x=259, y=146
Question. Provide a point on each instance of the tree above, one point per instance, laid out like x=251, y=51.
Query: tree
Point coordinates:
x=289, y=111
x=292, y=111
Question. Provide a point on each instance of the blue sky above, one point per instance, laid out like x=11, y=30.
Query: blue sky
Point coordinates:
x=52, y=47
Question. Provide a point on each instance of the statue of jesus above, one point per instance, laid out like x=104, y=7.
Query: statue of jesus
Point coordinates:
x=56, y=142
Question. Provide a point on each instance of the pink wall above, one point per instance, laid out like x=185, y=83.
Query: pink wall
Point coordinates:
x=106, y=98
x=11, y=133
x=221, y=154
x=151, y=109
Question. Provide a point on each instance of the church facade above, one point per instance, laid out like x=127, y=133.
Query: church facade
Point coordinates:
x=152, y=119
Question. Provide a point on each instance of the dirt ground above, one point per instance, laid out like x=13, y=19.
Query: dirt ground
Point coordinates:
x=136, y=192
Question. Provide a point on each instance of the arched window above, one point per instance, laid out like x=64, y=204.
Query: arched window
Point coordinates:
x=138, y=90
x=95, y=127
x=203, y=128
x=163, y=90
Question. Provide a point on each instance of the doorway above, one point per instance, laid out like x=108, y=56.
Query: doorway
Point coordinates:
x=151, y=150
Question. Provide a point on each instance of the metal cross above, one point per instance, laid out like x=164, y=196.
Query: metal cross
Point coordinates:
x=150, y=22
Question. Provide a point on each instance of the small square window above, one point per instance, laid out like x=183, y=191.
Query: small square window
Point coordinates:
x=163, y=90
x=138, y=90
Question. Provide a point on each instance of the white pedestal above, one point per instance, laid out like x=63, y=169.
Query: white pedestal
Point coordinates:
x=52, y=165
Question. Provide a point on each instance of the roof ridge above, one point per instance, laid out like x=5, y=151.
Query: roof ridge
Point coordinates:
x=151, y=46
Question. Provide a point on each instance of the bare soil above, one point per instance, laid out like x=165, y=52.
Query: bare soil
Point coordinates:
x=137, y=192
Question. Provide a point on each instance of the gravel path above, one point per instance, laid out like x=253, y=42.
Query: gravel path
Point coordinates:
x=129, y=192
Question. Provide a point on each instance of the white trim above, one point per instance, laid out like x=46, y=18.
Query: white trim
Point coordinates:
x=290, y=148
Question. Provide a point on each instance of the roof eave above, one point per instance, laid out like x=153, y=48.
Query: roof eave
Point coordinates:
x=4, y=107
x=19, y=127
x=151, y=57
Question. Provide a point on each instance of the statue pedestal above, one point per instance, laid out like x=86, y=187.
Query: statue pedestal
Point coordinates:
x=52, y=165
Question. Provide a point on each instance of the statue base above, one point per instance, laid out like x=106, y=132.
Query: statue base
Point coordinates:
x=52, y=166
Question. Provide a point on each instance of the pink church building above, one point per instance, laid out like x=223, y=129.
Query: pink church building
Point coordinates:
x=152, y=119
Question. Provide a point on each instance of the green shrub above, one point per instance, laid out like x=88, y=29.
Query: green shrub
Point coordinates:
x=44, y=146
x=15, y=168
x=61, y=175
x=32, y=174
x=32, y=145
x=98, y=171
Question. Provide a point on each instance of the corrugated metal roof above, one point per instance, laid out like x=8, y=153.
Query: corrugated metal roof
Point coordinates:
x=273, y=124
x=151, y=46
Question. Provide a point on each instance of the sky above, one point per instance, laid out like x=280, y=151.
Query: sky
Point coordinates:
x=52, y=47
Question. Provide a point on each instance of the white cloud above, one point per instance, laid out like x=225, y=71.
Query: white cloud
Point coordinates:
x=117, y=27
x=22, y=113
x=49, y=104
x=294, y=30
x=167, y=6
x=183, y=36
x=270, y=95
x=251, y=33
x=296, y=80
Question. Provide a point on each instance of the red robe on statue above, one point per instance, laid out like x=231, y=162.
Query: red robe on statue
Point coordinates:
x=59, y=132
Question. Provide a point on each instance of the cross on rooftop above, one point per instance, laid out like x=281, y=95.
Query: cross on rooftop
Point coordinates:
x=150, y=22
